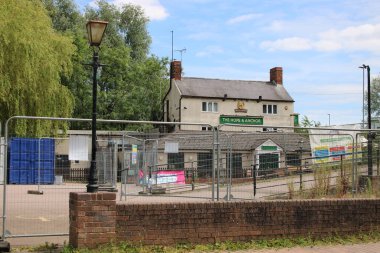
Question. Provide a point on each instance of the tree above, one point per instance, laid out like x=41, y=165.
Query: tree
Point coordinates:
x=132, y=84
x=375, y=97
x=133, y=26
x=64, y=15
x=33, y=58
x=306, y=122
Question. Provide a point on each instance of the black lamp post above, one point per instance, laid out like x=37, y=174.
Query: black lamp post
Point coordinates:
x=95, y=32
x=370, y=135
x=370, y=169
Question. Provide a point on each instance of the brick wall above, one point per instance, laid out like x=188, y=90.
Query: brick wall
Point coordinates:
x=93, y=220
x=211, y=222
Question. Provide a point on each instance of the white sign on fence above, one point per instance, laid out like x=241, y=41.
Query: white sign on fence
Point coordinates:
x=78, y=147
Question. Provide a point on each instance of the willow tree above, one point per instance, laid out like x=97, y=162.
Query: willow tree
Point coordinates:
x=33, y=58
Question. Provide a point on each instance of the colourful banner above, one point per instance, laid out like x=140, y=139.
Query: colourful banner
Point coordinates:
x=330, y=145
x=165, y=177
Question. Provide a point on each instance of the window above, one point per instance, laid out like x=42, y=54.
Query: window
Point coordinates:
x=293, y=159
x=204, y=107
x=269, y=129
x=176, y=161
x=209, y=107
x=209, y=128
x=268, y=163
x=236, y=164
x=274, y=109
x=204, y=162
x=270, y=109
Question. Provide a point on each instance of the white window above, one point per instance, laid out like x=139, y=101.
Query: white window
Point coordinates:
x=209, y=107
x=270, y=109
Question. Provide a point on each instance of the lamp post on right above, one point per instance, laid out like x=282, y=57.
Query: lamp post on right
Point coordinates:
x=369, y=136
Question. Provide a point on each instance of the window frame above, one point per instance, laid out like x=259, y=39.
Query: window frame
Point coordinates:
x=270, y=109
x=176, y=161
x=210, y=106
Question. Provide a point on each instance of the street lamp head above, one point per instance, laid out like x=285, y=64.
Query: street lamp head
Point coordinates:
x=363, y=66
x=95, y=31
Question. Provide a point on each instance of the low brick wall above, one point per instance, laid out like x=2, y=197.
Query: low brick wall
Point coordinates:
x=241, y=221
x=96, y=218
x=92, y=218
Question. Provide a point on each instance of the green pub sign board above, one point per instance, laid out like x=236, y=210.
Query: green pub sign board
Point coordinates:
x=241, y=120
x=269, y=148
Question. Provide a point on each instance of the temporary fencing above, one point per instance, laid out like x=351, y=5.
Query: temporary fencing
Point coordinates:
x=41, y=172
x=223, y=163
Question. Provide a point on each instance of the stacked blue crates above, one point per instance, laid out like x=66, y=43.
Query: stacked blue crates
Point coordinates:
x=31, y=161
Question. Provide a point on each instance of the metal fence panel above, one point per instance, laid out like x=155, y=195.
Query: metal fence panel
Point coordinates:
x=166, y=164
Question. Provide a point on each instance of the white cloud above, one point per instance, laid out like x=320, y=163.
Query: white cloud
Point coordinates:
x=211, y=50
x=202, y=36
x=243, y=18
x=152, y=8
x=354, y=38
x=287, y=44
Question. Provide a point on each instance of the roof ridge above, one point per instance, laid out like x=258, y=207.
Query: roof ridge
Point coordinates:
x=220, y=79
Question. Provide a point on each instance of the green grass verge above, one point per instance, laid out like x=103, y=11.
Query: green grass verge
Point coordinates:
x=222, y=246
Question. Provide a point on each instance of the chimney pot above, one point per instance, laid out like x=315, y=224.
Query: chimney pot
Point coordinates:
x=175, y=70
x=276, y=75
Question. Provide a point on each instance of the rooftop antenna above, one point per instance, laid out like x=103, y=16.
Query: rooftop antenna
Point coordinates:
x=183, y=50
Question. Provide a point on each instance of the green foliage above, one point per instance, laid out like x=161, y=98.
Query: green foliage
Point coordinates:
x=33, y=57
x=64, y=15
x=375, y=97
x=306, y=122
x=132, y=84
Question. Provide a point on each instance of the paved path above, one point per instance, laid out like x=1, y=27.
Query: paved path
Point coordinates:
x=355, y=248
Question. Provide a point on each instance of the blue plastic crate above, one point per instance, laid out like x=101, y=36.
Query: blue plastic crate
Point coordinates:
x=26, y=146
x=46, y=165
x=43, y=176
x=21, y=165
x=14, y=165
x=44, y=156
x=14, y=177
x=26, y=177
x=45, y=145
x=14, y=156
x=14, y=145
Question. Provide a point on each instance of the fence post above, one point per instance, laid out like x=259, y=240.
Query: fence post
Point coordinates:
x=192, y=176
x=254, y=180
x=301, y=172
x=341, y=166
x=377, y=160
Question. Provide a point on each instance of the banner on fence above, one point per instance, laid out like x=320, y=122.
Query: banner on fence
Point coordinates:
x=164, y=177
x=330, y=145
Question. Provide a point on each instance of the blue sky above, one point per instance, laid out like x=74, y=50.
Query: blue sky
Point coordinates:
x=319, y=44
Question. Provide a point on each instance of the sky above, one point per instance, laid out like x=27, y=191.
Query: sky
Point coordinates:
x=319, y=44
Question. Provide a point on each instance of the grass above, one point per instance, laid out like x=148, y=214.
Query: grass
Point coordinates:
x=220, y=246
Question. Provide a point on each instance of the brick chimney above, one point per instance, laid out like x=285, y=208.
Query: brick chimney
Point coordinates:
x=175, y=70
x=276, y=75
